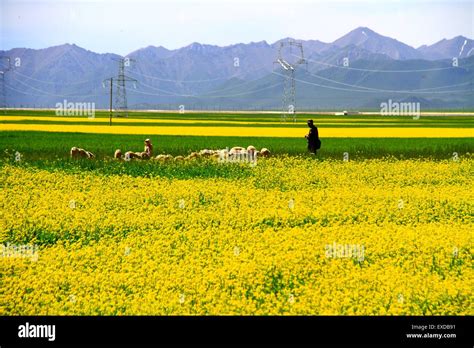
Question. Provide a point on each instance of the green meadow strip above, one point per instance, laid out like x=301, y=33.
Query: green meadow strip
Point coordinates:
x=51, y=145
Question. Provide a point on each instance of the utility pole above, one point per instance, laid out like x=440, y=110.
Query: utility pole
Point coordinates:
x=111, y=82
x=110, y=100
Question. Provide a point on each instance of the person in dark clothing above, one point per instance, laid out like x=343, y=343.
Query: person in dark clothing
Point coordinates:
x=314, y=143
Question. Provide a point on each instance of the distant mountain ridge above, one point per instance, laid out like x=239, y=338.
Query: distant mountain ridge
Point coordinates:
x=357, y=70
x=376, y=43
x=457, y=47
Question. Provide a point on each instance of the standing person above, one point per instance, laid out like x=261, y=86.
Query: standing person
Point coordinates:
x=314, y=143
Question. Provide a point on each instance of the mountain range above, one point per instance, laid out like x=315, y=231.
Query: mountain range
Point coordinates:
x=357, y=71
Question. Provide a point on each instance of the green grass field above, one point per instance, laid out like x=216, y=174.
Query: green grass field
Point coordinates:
x=51, y=149
x=43, y=145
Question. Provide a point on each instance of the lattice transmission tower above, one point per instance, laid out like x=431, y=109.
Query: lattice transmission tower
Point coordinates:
x=120, y=103
x=5, y=66
x=289, y=86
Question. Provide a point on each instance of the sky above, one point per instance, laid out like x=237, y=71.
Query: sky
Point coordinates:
x=119, y=26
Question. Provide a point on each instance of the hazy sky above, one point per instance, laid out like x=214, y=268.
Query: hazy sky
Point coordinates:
x=120, y=26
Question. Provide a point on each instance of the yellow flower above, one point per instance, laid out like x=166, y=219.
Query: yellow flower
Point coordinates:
x=344, y=245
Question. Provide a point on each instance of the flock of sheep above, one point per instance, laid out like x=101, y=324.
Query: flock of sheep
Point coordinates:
x=234, y=154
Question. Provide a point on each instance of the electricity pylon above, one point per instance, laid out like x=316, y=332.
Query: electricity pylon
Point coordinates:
x=289, y=88
x=120, y=105
x=5, y=66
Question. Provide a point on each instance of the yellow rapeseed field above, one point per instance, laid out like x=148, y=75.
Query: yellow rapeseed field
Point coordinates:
x=164, y=119
x=279, y=132
x=298, y=236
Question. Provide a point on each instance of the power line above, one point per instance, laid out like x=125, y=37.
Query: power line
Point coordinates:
x=54, y=83
x=182, y=81
x=44, y=95
x=171, y=93
x=377, y=90
x=48, y=93
x=383, y=71
x=204, y=96
x=198, y=81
